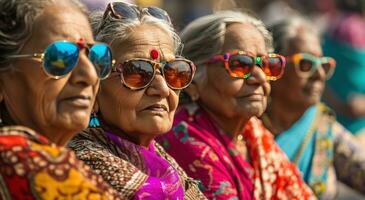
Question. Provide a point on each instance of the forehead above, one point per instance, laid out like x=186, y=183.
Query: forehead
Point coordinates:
x=142, y=39
x=305, y=42
x=244, y=37
x=60, y=21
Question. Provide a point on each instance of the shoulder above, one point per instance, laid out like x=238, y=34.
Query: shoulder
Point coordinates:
x=98, y=152
x=36, y=166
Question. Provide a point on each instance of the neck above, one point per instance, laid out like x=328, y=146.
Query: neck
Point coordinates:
x=141, y=140
x=61, y=138
x=283, y=115
x=231, y=126
x=57, y=136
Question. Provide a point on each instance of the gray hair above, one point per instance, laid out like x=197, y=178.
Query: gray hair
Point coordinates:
x=204, y=37
x=16, y=25
x=285, y=31
x=112, y=29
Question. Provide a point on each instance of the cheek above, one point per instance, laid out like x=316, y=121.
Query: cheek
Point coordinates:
x=46, y=99
x=117, y=103
x=222, y=83
x=173, y=100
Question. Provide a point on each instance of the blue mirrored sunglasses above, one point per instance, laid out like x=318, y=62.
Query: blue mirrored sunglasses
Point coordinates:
x=61, y=57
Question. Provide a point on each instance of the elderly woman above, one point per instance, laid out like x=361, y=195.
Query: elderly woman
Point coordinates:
x=49, y=78
x=305, y=129
x=217, y=138
x=136, y=104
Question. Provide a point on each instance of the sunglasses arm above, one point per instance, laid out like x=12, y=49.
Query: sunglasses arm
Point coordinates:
x=215, y=59
x=35, y=55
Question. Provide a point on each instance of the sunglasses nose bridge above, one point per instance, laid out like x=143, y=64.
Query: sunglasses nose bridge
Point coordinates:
x=158, y=67
x=258, y=61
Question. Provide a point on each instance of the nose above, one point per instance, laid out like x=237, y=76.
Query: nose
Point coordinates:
x=84, y=73
x=257, y=77
x=158, y=86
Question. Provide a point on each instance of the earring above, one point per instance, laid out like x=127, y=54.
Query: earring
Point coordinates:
x=94, y=121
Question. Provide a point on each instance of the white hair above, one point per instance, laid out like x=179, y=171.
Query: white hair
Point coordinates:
x=112, y=29
x=286, y=30
x=204, y=37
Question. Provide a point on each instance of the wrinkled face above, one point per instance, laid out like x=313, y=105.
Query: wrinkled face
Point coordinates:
x=294, y=89
x=231, y=97
x=140, y=113
x=40, y=102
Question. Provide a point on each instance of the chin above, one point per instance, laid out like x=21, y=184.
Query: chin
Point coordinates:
x=154, y=128
x=74, y=122
x=312, y=100
x=254, y=110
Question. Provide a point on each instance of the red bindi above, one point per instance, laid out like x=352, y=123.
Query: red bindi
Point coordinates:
x=154, y=54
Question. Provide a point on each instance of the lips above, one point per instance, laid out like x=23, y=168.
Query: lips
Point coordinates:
x=157, y=108
x=78, y=101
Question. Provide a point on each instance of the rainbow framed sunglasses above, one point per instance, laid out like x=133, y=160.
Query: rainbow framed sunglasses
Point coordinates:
x=307, y=64
x=61, y=57
x=240, y=64
x=138, y=73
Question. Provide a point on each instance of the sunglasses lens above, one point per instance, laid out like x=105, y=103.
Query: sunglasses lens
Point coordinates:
x=305, y=65
x=273, y=66
x=124, y=10
x=60, y=58
x=158, y=13
x=137, y=73
x=101, y=56
x=240, y=65
x=178, y=74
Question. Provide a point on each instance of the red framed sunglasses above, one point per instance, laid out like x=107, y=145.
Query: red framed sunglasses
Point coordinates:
x=240, y=65
x=138, y=73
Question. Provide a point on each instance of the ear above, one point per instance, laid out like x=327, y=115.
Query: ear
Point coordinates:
x=193, y=91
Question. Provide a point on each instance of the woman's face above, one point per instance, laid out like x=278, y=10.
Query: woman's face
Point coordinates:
x=55, y=108
x=231, y=97
x=293, y=89
x=141, y=114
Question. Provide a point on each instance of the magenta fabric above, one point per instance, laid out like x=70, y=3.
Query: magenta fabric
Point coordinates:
x=163, y=181
x=350, y=29
x=212, y=158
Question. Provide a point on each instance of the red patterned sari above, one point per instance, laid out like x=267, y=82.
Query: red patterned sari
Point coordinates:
x=209, y=155
x=34, y=168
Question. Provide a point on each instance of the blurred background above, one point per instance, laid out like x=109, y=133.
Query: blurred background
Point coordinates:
x=344, y=20
x=270, y=11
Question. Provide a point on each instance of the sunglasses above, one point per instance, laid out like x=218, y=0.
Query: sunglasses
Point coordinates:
x=139, y=73
x=306, y=65
x=122, y=10
x=240, y=65
x=61, y=57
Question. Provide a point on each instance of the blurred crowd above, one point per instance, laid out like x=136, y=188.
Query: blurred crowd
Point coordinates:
x=182, y=99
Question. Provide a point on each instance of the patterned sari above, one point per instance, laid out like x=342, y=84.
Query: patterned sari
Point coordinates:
x=136, y=172
x=208, y=154
x=321, y=147
x=34, y=168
